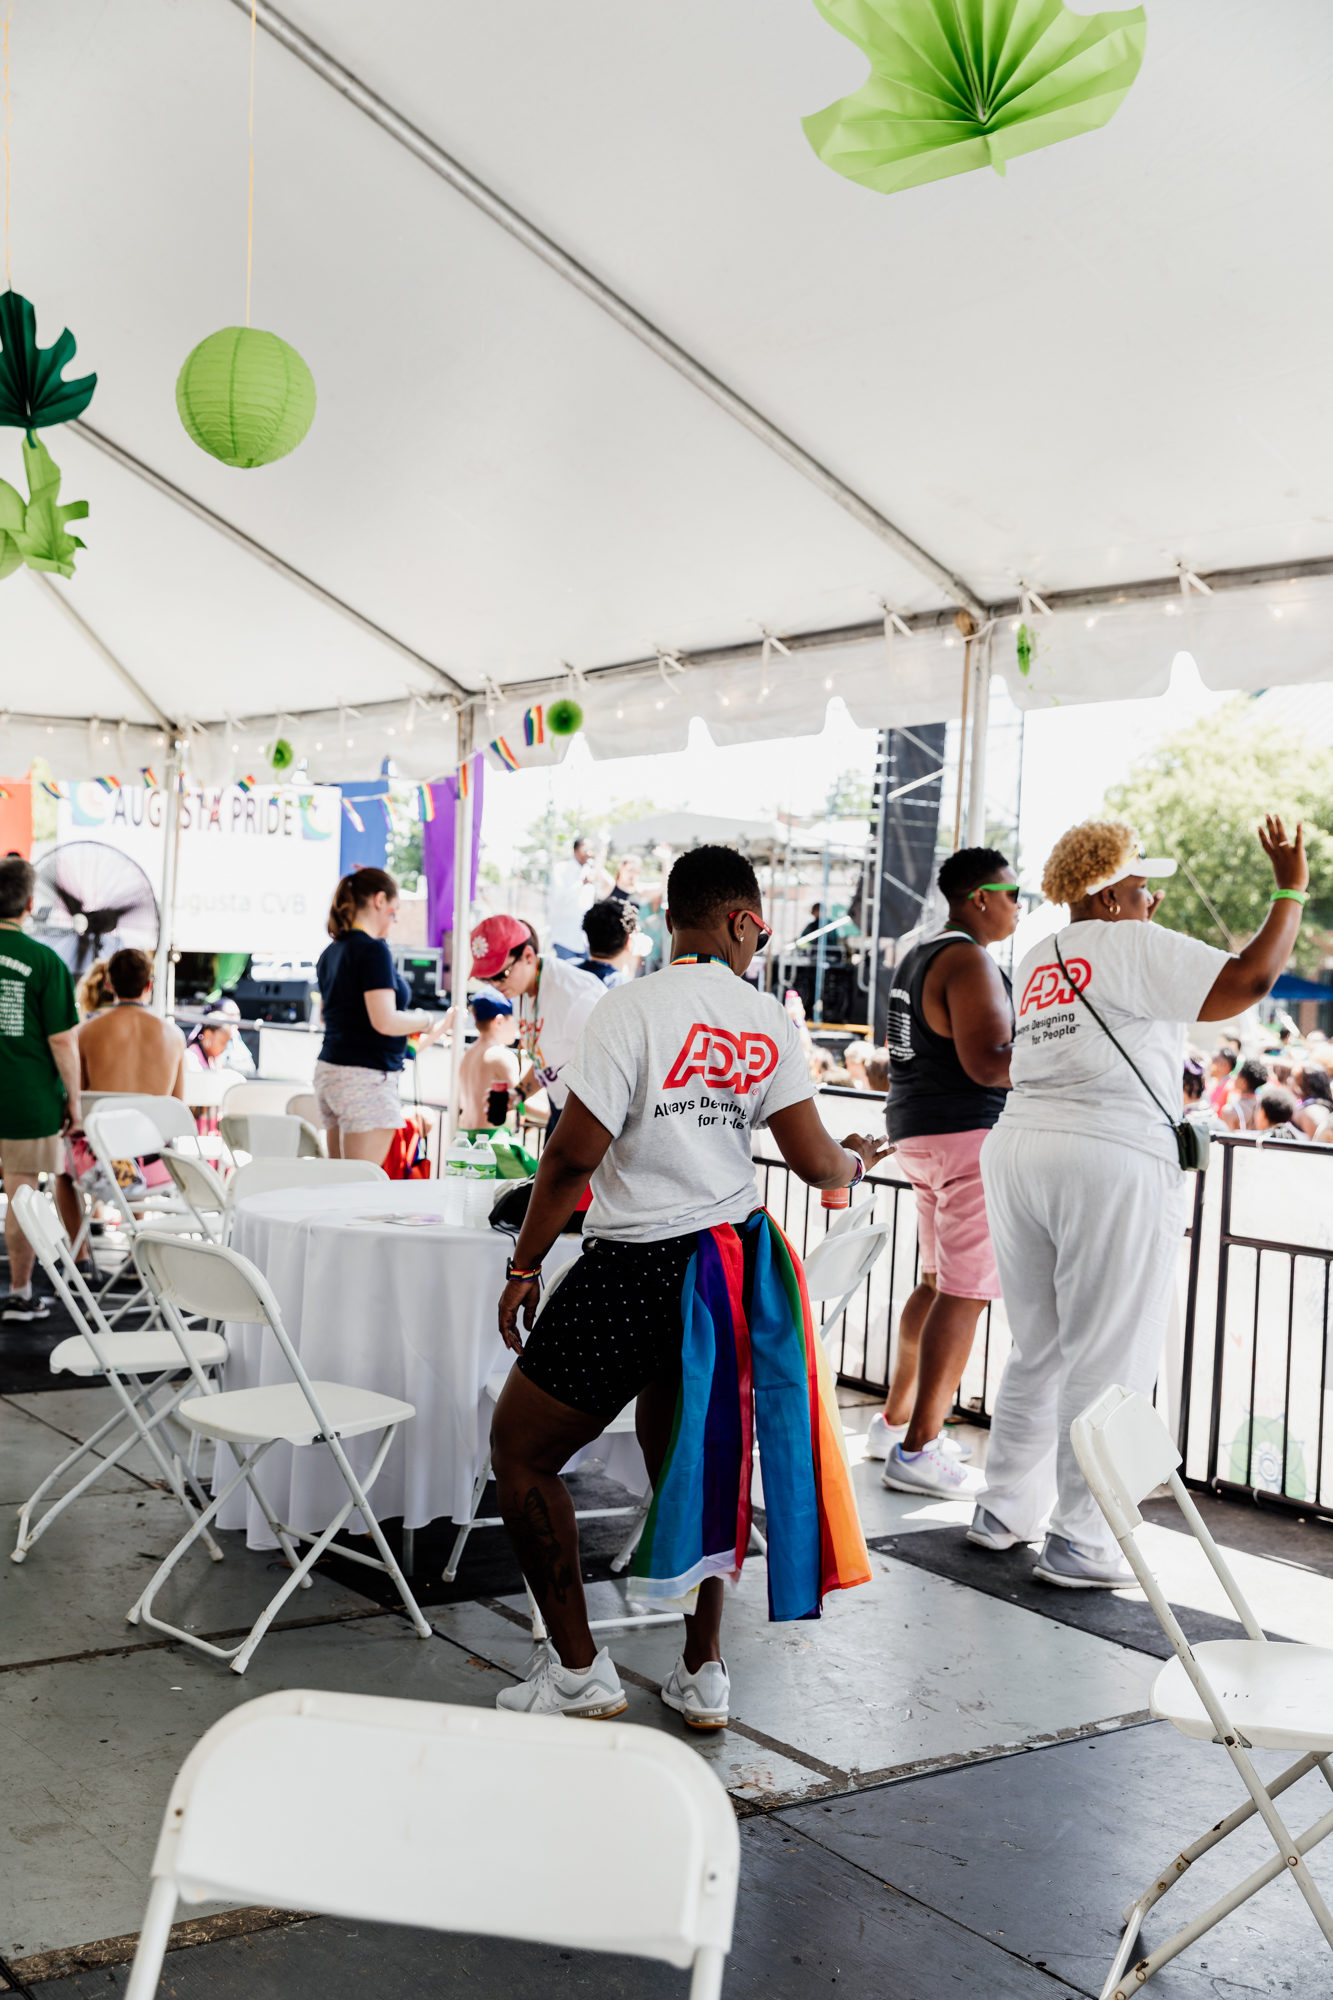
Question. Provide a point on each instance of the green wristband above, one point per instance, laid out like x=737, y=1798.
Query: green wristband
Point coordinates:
x=1290, y=895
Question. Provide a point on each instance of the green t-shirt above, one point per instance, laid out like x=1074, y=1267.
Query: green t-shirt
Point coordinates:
x=36, y=1000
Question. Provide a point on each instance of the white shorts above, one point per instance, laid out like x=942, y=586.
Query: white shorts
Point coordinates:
x=358, y=1100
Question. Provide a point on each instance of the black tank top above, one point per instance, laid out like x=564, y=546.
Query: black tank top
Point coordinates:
x=931, y=1091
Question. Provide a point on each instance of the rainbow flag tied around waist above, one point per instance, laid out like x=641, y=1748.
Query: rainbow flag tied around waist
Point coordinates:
x=753, y=1371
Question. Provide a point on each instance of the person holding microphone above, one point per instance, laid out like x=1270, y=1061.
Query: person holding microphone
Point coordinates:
x=366, y=1020
x=1085, y=1192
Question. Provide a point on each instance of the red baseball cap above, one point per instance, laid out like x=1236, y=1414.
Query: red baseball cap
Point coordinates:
x=492, y=941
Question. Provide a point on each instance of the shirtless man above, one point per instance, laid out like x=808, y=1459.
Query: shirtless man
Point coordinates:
x=490, y=1063
x=127, y=1047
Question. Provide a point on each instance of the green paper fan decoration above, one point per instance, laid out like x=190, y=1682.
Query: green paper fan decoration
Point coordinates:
x=33, y=531
x=282, y=756
x=32, y=393
x=958, y=84
x=245, y=396
x=564, y=717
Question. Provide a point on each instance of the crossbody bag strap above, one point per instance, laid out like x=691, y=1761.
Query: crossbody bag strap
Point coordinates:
x=1080, y=995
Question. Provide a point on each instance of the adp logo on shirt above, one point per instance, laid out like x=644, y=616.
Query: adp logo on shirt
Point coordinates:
x=1048, y=986
x=724, y=1061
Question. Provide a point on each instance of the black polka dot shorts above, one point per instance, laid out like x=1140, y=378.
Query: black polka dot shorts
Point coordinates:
x=611, y=1325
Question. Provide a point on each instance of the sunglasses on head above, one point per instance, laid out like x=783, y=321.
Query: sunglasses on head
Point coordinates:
x=1009, y=889
x=765, y=930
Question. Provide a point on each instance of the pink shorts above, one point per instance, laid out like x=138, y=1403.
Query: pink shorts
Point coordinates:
x=945, y=1172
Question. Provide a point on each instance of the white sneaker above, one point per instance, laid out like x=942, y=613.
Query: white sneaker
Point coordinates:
x=931, y=1471
x=882, y=1436
x=1061, y=1562
x=988, y=1532
x=704, y=1699
x=550, y=1689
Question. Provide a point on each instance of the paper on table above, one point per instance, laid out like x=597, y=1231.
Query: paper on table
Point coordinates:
x=408, y=1220
x=958, y=84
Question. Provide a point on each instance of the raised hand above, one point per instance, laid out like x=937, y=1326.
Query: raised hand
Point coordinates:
x=1290, y=869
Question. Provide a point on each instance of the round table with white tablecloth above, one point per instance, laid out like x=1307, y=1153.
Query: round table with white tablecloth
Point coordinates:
x=375, y=1290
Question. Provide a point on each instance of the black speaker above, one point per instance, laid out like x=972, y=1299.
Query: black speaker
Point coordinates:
x=272, y=999
x=843, y=998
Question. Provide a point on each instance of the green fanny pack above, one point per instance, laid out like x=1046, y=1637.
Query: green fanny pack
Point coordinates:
x=1192, y=1139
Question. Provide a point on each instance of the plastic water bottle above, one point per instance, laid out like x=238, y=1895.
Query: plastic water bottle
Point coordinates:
x=457, y=1174
x=484, y=1172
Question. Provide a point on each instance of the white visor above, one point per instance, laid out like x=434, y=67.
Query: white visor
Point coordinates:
x=1139, y=864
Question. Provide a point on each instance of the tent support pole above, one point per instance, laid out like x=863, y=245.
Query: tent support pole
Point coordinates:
x=458, y=944
x=962, y=747
x=164, y=980
x=976, y=799
x=559, y=260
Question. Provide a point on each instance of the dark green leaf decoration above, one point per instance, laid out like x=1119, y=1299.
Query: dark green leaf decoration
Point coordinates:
x=34, y=532
x=32, y=393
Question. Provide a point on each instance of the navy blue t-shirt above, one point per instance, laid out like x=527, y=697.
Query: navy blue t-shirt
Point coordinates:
x=348, y=969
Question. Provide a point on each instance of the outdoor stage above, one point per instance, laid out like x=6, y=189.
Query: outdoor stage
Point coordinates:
x=950, y=1786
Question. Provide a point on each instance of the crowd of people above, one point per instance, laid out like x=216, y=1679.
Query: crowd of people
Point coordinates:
x=1044, y=1127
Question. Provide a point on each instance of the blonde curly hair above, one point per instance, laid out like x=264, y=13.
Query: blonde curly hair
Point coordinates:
x=1097, y=852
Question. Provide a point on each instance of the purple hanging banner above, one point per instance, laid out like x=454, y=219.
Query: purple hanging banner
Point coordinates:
x=437, y=849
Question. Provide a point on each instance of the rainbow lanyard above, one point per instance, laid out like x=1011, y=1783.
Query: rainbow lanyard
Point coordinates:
x=699, y=958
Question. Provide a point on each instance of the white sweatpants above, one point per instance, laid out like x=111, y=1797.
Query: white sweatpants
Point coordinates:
x=1086, y=1233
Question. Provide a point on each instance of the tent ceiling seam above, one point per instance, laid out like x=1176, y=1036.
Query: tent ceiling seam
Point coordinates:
x=57, y=597
x=566, y=266
x=1087, y=597
x=277, y=563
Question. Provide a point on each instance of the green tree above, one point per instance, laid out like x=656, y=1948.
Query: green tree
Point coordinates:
x=1199, y=796
x=850, y=796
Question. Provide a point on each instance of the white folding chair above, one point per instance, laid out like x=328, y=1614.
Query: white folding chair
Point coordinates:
x=128, y=1131
x=305, y=1105
x=138, y=1367
x=206, y=1089
x=265, y=1176
x=382, y=1810
x=843, y=1259
x=264, y=1098
x=203, y=1191
x=620, y=1426
x=269, y=1136
x=1245, y=1694
x=210, y=1280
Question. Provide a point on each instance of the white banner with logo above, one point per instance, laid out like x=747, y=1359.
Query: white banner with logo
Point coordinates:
x=256, y=869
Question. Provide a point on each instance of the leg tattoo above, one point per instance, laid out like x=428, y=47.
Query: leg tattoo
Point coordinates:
x=537, y=1546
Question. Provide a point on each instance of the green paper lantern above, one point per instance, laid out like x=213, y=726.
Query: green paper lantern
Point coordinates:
x=958, y=84
x=564, y=718
x=282, y=756
x=245, y=396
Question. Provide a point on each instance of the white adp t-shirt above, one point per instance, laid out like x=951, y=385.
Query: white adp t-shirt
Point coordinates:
x=680, y=1067
x=1146, y=983
x=551, y=1021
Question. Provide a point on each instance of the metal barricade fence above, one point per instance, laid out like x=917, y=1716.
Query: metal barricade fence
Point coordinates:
x=1247, y=1369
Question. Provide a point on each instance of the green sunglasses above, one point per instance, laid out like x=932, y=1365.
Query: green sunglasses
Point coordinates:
x=1009, y=889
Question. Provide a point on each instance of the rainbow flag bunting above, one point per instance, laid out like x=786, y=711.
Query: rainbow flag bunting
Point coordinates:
x=425, y=804
x=108, y=784
x=52, y=791
x=499, y=748
x=246, y=784
x=388, y=815
x=534, y=727
x=3, y=794
x=354, y=816
x=754, y=1372
x=149, y=776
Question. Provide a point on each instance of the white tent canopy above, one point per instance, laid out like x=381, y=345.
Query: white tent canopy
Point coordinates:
x=1110, y=363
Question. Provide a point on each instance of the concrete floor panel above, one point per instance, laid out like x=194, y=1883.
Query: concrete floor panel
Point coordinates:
x=807, y=1922
x=29, y=1450
x=77, y=1413
x=91, y=1748
x=71, y=1593
x=1041, y=1853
